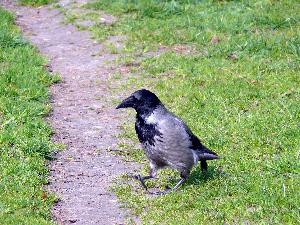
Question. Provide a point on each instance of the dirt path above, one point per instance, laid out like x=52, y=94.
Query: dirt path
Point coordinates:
x=82, y=117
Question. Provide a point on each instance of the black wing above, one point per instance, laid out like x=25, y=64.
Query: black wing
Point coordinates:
x=202, y=151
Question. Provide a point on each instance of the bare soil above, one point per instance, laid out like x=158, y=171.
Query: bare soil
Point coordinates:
x=83, y=117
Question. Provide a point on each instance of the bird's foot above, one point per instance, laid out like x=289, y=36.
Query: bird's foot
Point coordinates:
x=167, y=190
x=141, y=179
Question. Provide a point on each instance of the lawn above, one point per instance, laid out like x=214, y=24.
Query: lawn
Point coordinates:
x=35, y=2
x=230, y=69
x=24, y=135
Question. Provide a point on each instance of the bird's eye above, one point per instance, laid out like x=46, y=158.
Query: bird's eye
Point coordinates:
x=138, y=97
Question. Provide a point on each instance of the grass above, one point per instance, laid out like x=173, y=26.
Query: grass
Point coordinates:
x=35, y=2
x=238, y=89
x=24, y=135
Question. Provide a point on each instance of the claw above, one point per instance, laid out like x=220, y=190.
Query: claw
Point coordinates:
x=138, y=176
x=167, y=190
x=141, y=179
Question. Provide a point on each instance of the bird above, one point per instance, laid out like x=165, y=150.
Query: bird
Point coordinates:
x=166, y=139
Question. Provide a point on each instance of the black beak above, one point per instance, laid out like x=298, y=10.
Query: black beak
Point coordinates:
x=126, y=103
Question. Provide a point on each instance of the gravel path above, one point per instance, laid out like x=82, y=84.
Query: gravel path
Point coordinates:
x=83, y=118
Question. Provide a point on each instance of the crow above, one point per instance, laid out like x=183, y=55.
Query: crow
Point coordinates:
x=166, y=139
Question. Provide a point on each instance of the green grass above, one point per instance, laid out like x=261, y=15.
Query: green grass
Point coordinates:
x=24, y=135
x=246, y=107
x=35, y=2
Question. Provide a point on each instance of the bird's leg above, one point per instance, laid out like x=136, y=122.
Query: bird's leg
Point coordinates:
x=178, y=184
x=203, y=165
x=142, y=178
x=183, y=175
x=153, y=171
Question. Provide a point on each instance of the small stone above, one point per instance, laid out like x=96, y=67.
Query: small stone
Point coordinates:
x=233, y=56
x=215, y=39
x=73, y=220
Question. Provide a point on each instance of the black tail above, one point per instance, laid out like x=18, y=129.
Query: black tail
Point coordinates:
x=206, y=154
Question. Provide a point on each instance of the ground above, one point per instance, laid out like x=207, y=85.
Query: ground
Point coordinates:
x=83, y=118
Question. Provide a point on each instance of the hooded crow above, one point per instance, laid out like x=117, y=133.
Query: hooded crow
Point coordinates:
x=166, y=139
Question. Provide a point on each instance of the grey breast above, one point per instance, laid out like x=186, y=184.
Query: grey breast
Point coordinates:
x=173, y=146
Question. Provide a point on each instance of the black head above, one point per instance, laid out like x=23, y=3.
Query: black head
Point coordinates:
x=143, y=101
